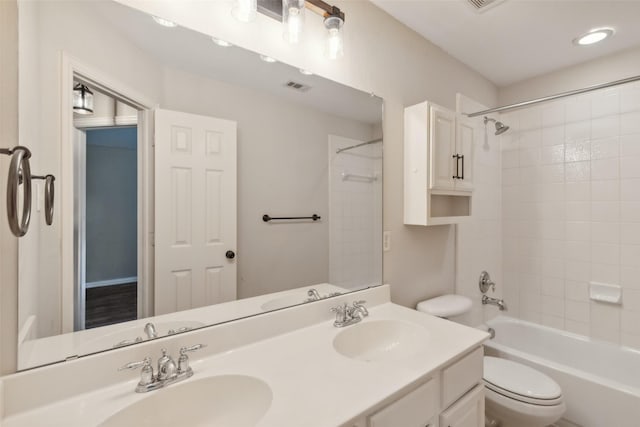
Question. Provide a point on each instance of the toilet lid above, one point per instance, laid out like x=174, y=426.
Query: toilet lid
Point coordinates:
x=517, y=380
x=445, y=305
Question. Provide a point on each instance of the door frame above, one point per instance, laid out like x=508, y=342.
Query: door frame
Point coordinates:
x=72, y=68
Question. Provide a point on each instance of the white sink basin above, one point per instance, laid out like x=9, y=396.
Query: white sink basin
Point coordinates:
x=225, y=401
x=382, y=341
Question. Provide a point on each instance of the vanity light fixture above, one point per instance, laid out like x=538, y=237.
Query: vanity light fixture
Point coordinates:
x=245, y=10
x=82, y=99
x=164, y=22
x=292, y=19
x=268, y=59
x=334, y=44
x=594, y=36
x=220, y=42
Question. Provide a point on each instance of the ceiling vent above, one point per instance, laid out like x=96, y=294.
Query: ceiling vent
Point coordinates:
x=484, y=5
x=297, y=86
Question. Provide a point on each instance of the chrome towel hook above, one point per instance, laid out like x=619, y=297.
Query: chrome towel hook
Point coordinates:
x=19, y=173
x=49, y=190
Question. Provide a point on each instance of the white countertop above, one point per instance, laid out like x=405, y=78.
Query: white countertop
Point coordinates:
x=312, y=384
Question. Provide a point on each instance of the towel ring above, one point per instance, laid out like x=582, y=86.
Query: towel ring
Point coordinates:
x=19, y=173
x=49, y=190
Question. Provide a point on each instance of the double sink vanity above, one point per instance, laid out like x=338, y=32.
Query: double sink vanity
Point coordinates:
x=293, y=367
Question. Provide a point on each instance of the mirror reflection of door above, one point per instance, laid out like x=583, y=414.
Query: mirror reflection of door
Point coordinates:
x=106, y=180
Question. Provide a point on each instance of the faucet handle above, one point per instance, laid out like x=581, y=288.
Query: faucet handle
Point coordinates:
x=183, y=361
x=146, y=375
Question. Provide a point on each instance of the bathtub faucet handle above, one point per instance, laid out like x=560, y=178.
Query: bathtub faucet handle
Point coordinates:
x=485, y=282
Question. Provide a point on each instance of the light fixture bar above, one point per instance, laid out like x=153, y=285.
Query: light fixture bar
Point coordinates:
x=273, y=8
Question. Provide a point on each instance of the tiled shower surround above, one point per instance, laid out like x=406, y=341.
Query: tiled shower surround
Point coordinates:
x=571, y=212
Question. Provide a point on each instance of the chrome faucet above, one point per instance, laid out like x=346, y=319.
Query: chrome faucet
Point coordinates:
x=150, y=330
x=168, y=371
x=494, y=301
x=346, y=315
x=313, y=294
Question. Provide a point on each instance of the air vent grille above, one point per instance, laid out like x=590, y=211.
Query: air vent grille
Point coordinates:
x=297, y=86
x=484, y=5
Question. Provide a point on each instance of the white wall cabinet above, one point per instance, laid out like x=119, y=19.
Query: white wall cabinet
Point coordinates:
x=438, y=165
x=451, y=397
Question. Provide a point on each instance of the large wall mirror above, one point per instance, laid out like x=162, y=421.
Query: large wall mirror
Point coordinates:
x=195, y=183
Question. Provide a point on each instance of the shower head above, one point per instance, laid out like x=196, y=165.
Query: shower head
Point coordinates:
x=500, y=127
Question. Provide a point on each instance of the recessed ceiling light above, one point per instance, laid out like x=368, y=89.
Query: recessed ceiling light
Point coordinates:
x=221, y=42
x=593, y=36
x=164, y=22
x=268, y=59
x=305, y=72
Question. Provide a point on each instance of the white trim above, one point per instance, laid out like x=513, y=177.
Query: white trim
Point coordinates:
x=100, y=122
x=111, y=282
x=70, y=68
x=27, y=331
x=126, y=120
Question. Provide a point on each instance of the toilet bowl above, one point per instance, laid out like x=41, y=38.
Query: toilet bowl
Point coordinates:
x=515, y=395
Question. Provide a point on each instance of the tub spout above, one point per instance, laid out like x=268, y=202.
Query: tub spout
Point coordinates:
x=494, y=301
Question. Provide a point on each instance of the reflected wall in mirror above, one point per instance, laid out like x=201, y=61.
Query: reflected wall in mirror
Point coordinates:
x=159, y=225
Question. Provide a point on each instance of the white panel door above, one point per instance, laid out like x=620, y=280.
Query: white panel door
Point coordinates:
x=195, y=211
x=465, y=134
x=442, y=147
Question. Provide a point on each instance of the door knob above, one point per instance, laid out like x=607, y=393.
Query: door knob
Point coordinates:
x=230, y=254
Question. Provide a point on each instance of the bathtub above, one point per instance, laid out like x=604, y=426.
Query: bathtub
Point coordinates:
x=600, y=381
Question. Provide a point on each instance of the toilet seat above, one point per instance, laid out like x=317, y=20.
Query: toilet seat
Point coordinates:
x=519, y=382
x=445, y=305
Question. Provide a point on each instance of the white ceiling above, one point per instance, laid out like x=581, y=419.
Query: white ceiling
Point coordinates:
x=194, y=52
x=519, y=39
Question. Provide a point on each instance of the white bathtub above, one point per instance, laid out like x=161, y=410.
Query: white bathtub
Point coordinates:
x=600, y=381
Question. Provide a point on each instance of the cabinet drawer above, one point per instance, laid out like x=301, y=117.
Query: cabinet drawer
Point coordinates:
x=415, y=409
x=467, y=412
x=461, y=377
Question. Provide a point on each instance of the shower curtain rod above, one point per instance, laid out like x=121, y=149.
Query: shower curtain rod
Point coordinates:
x=340, y=150
x=553, y=97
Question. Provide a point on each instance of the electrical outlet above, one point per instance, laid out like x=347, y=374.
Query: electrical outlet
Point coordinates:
x=386, y=241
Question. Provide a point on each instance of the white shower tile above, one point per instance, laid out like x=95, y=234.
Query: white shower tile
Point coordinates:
x=579, y=271
x=630, y=276
x=531, y=118
x=577, y=171
x=630, y=145
x=510, y=159
x=578, y=251
x=630, y=233
x=553, y=114
x=551, y=173
x=577, y=151
x=605, y=273
x=631, y=299
x=605, y=148
x=630, y=255
x=630, y=123
x=630, y=97
x=630, y=322
x=605, y=253
x=603, y=169
x=577, y=132
x=553, y=135
x=552, y=305
x=580, y=328
x=552, y=154
x=605, y=127
x=529, y=156
x=630, y=189
x=605, y=211
x=606, y=316
x=630, y=211
x=605, y=232
x=578, y=230
x=578, y=311
x=578, y=191
x=630, y=167
x=603, y=334
x=576, y=290
x=605, y=102
x=552, y=286
x=552, y=268
x=551, y=321
x=578, y=108
x=605, y=191
x=578, y=211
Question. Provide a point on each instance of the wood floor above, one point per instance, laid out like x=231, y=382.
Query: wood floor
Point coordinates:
x=106, y=305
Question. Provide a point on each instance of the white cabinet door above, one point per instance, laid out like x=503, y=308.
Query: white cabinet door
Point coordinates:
x=195, y=211
x=415, y=409
x=466, y=412
x=465, y=135
x=442, y=132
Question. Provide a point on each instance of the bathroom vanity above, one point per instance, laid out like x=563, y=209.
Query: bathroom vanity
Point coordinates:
x=396, y=367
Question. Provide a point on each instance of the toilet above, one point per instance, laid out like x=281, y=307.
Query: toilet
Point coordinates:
x=516, y=395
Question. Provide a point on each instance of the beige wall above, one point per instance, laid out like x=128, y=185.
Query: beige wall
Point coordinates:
x=609, y=68
x=8, y=138
x=384, y=57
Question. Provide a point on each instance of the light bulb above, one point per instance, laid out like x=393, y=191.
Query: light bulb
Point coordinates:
x=220, y=42
x=335, y=45
x=293, y=20
x=164, y=22
x=245, y=10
